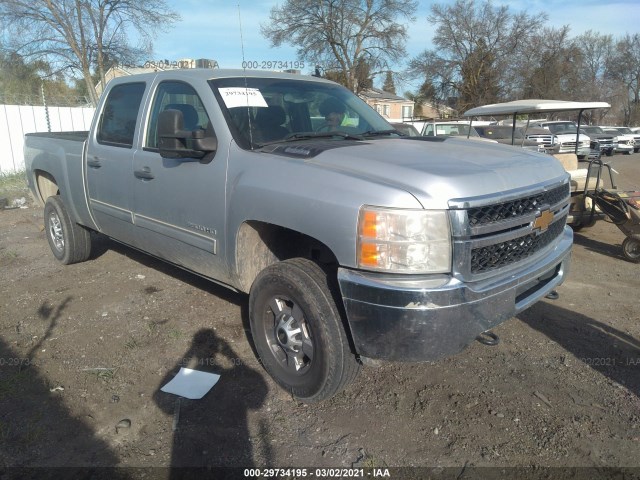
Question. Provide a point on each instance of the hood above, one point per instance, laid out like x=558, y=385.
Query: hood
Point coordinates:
x=434, y=171
x=600, y=136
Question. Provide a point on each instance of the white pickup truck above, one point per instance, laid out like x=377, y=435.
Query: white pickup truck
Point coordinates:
x=564, y=134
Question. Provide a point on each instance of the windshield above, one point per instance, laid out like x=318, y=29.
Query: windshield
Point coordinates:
x=592, y=130
x=499, y=132
x=568, y=127
x=270, y=110
x=625, y=130
x=449, y=129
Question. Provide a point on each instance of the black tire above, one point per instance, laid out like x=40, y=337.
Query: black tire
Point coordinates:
x=69, y=242
x=609, y=153
x=298, y=331
x=631, y=248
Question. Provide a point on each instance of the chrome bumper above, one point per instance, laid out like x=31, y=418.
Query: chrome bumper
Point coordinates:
x=424, y=318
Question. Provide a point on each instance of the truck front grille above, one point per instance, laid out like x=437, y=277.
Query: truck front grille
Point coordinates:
x=513, y=230
x=514, y=208
x=502, y=254
x=546, y=140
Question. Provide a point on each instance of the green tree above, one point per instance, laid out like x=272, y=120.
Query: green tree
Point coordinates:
x=340, y=34
x=23, y=83
x=83, y=36
x=389, y=86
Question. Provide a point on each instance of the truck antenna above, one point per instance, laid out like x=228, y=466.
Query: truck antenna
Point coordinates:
x=246, y=87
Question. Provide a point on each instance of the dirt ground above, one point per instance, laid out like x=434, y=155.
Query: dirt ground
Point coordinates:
x=84, y=350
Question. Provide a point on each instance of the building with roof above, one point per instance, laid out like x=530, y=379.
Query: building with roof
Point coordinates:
x=391, y=106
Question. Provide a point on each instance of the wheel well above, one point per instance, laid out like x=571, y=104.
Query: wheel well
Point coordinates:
x=260, y=244
x=47, y=185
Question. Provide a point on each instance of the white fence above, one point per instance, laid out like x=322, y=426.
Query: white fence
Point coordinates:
x=16, y=120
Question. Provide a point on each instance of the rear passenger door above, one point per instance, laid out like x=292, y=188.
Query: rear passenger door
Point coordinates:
x=109, y=158
x=179, y=209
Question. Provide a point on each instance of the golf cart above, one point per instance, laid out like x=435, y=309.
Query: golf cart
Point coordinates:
x=586, y=176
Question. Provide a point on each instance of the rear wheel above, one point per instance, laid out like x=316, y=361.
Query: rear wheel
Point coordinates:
x=298, y=331
x=631, y=248
x=69, y=242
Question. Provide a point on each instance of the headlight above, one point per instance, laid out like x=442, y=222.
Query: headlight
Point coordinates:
x=404, y=241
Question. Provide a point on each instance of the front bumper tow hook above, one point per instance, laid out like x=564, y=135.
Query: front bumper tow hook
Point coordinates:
x=488, y=338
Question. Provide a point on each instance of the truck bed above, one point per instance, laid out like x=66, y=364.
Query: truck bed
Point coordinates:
x=76, y=136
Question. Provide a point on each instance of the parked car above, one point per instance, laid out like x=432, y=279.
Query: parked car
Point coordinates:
x=407, y=129
x=623, y=143
x=635, y=135
x=354, y=244
x=604, y=139
x=566, y=134
x=505, y=134
x=452, y=128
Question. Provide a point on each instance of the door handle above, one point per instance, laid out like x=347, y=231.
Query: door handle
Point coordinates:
x=94, y=163
x=144, y=174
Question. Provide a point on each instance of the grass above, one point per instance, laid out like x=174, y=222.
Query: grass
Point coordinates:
x=132, y=344
x=101, y=372
x=13, y=185
x=175, y=334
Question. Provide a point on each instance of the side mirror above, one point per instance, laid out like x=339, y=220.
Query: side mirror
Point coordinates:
x=177, y=143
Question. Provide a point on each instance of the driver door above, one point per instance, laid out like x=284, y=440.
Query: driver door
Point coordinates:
x=179, y=204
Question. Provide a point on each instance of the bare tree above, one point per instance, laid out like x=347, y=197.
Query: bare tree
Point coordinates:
x=475, y=48
x=624, y=66
x=340, y=34
x=83, y=36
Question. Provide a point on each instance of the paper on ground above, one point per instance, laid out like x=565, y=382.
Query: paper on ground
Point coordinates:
x=191, y=384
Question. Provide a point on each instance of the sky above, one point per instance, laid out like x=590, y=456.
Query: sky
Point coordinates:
x=212, y=29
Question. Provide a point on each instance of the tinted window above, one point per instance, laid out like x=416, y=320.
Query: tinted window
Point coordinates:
x=120, y=113
x=177, y=96
x=264, y=110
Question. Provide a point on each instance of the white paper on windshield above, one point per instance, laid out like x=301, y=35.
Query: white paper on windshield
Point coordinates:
x=242, y=97
x=191, y=384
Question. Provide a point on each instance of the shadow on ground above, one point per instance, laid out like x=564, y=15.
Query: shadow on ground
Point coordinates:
x=604, y=348
x=34, y=422
x=214, y=431
x=607, y=249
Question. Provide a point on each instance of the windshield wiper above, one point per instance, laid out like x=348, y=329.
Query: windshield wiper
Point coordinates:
x=377, y=133
x=294, y=137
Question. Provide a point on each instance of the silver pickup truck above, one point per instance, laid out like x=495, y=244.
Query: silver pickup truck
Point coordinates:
x=354, y=242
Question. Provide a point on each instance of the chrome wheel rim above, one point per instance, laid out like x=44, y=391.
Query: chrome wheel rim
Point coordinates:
x=55, y=231
x=288, y=335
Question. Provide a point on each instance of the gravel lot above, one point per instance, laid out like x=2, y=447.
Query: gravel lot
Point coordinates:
x=84, y=350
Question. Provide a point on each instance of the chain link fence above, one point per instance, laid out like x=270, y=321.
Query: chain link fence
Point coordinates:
x=51, y=100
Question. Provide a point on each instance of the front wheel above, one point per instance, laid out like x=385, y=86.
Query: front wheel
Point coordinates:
x=69, y=242
x=298, y=331
x=631, y=248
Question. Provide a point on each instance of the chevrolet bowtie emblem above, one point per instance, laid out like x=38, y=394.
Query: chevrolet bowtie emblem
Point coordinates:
x=541, y=223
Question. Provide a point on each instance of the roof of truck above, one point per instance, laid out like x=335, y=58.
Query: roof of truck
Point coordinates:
x=214, y=73
x=533, y=106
